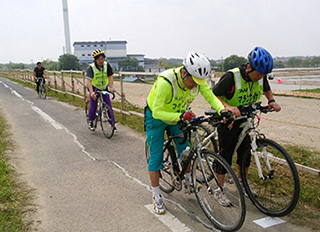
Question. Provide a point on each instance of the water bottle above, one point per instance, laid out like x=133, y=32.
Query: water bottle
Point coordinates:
x=185, y=153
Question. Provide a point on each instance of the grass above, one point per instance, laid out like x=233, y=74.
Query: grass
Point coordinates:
x=14, y=197
x=306, y=213
x=310, y=90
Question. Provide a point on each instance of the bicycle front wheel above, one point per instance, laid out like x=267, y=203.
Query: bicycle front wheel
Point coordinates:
x=43, y=93
x=107, y=123
x=277, y=192
x=211, y=195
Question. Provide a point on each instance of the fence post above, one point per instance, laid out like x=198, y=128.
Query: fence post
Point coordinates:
x=123, y=107
x=55, y=81
x=63, y=84
x=72, y=85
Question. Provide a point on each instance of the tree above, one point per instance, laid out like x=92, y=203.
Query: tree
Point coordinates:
x=69, y=61
x=51, y=65
x=278, y=64
x=233, y=61
x=15, y=65
x=163, y=63
x=129, y=64
x=294, y=62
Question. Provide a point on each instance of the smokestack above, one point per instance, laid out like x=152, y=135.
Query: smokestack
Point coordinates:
x=66, y=26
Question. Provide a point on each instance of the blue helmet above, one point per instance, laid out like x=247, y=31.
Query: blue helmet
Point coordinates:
x=261, y=60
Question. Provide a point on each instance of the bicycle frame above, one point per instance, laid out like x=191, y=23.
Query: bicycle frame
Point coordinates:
x=195, y=150
x=249, y=128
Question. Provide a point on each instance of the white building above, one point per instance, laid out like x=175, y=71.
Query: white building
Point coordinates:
x=115, y=50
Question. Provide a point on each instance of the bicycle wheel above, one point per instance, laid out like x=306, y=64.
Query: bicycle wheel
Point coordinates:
x=86, y=108
x=166, y=174
x=107, y=123
x=43, y=91
x=278, y=192
x=225, y=218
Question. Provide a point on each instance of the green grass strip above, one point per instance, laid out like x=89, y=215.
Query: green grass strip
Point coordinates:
x=13, y=195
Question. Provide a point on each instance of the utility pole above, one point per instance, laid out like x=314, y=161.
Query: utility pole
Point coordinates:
x=66, y=26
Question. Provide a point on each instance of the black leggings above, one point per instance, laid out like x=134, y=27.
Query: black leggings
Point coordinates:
x=38, y=81
x=227, y=142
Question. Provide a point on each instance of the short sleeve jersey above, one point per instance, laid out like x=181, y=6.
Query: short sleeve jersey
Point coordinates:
x=39, y=72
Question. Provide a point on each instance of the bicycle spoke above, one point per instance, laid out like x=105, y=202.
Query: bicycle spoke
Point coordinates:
x=277, y=193
x=208, y=191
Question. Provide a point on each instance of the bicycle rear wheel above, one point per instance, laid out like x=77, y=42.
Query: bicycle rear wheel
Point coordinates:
x=225, y=218
x=86, y=108
x=107, y=123
x=278, y=193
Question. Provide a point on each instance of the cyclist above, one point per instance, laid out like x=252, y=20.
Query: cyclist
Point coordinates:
x=38, y=73
x=238, y=87
x=167, y=103
x=99, y=76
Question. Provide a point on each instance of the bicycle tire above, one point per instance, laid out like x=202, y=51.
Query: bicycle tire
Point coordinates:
x=107, y=123
x=86, y=108
x=166, y=173
x=43, y=91
x=274, y=196
x=225, y=218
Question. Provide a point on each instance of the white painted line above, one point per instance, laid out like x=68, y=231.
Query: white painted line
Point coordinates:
x=47, y=118
x=126, y=173
x=170, y=221
x=268, y=222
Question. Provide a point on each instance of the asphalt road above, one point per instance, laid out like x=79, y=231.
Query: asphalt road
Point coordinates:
x=85, y=182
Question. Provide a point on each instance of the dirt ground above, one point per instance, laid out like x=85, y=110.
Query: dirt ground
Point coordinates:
x=297, y=122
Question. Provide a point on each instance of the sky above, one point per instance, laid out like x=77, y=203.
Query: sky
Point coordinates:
x=33, y=30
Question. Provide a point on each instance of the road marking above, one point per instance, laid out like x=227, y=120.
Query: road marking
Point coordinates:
x=268, y=222
x=174, y=224
x=126, y=173
x=50, y=120
x=190, y=214
x=47, y=118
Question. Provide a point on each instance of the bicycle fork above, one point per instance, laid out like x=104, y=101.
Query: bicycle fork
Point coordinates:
x=265, y=157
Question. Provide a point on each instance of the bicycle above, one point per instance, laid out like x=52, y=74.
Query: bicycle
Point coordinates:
x=42, y=88
x=205, y=182
x=272, y=174
x=103, y=113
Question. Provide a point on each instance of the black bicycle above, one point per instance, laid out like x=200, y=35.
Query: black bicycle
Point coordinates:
x=272, y=182
x=104, y=113
x=42, y=88
x=205, y=182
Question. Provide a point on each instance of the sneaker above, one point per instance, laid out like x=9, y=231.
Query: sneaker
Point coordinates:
x=158, y=206
x=244, y=190
x=222, y=198
x=91, y=126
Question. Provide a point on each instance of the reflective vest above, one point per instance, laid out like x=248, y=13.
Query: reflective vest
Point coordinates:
x=177, y=103
x=100, y=78
x=245, y=92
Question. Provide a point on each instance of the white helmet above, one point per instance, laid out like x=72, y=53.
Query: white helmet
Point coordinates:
x=197, y=65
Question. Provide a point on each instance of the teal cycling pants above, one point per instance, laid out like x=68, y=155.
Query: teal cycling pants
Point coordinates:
x=155, y=129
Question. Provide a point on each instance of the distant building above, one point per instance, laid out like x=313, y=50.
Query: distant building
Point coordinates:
x=151, y=65
x=115, y=50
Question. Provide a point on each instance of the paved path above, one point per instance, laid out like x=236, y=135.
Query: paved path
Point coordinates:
x=84, y=182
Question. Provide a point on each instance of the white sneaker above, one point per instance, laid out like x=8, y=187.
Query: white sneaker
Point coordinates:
x=222, y=198
x=158, y=206
x=244, y=190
